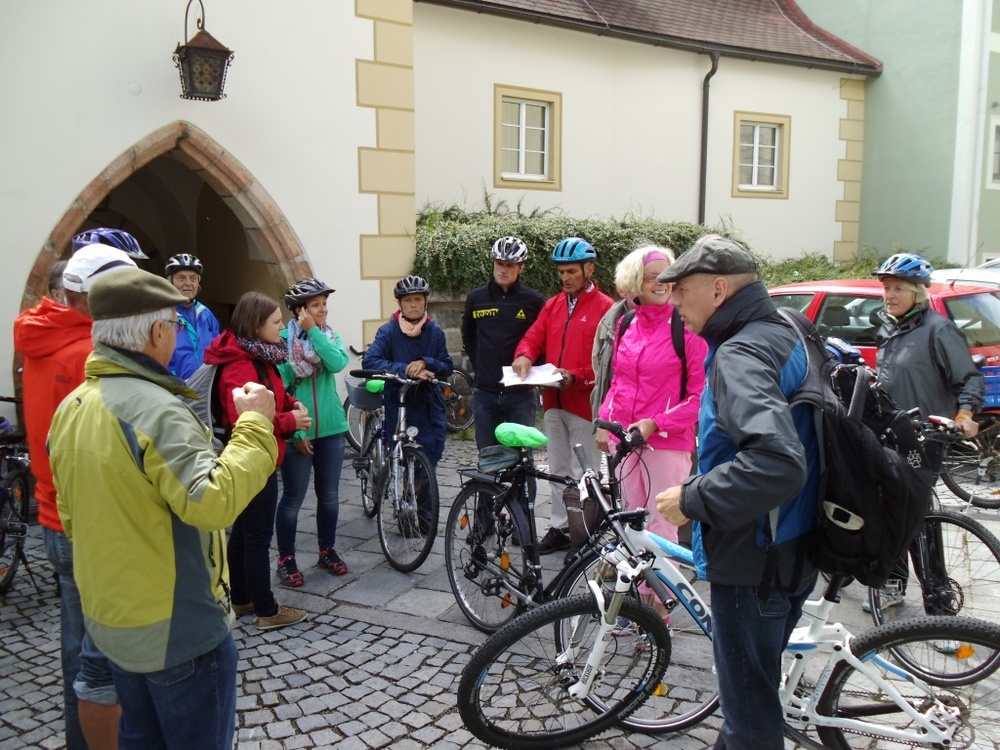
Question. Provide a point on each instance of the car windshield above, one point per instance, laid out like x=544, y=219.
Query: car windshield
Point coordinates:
x=977, y=316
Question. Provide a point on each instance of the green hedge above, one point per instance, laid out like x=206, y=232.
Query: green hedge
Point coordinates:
x=453, y=249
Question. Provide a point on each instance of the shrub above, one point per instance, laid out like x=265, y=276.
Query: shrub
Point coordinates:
x=453, y=244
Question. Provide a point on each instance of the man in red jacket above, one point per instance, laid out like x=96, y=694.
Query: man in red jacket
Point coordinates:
x=564, y=336
x=54, y=340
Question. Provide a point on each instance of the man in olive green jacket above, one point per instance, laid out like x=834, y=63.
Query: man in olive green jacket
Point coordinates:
x=145, y=500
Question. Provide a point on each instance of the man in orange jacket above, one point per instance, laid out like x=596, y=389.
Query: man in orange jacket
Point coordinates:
x=54, y=341
x=564, y=336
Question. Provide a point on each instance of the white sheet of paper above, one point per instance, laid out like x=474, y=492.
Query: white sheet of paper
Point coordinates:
x=540, y=375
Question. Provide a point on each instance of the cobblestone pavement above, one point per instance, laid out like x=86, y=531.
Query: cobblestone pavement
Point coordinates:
x=375, y=666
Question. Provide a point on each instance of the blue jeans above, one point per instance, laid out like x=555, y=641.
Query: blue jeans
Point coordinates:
x=82, y=663
x=249, y=551
x=190, y=706
x=748, y=639
x=326, y=462
x=491, y=409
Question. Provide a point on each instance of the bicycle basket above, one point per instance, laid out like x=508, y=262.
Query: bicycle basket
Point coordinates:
x=359, y=397
x=496, y=458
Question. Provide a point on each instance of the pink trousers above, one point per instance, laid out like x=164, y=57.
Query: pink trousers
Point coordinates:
x=644, y=474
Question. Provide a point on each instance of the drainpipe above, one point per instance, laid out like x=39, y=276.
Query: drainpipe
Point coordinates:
x=704, y=137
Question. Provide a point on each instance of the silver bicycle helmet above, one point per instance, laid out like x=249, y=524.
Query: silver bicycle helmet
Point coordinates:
x=510, y=249
x=304, y=290
x=411, y=285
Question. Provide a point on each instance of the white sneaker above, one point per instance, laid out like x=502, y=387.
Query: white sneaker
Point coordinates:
x=887, y=600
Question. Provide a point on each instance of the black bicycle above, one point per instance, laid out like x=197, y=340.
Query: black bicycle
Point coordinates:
x=491, y=549
x=15, y=498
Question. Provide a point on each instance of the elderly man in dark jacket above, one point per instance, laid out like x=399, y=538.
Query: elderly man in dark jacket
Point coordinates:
x=756, y=454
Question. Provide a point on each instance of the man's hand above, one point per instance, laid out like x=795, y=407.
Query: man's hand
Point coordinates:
x=415, y=368
x=567, y=378
x=521, y=366
x=254, y=397
x=668, y=503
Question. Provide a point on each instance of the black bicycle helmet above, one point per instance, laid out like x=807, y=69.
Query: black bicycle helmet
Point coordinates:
x=411, y=285
x=117, y=238
x=304, y=290
x=510, y=249
x=182, y=262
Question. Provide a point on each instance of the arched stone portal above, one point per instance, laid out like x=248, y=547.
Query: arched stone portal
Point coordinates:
x=265, y=227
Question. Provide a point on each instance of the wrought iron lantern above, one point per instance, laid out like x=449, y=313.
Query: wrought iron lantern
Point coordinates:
x=202, y=62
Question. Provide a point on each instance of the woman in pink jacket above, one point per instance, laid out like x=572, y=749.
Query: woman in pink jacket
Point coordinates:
x=646, y=385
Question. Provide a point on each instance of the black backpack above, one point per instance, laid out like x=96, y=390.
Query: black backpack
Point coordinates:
x=875, y=486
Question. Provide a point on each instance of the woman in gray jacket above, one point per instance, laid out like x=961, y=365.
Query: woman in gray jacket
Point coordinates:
x=923, y=359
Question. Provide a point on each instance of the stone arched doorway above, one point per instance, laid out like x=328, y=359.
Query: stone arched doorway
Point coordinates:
x=152, y=211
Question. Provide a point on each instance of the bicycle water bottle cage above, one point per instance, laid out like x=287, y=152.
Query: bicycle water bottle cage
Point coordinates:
x=516, y=435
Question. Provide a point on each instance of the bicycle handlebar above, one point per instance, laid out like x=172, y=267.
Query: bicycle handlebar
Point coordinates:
x=388, y=375
x=11, y=399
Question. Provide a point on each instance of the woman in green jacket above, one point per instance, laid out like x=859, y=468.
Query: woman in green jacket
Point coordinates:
x=315, y=353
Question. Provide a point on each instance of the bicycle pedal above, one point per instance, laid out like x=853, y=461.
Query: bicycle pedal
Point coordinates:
x=360, y=463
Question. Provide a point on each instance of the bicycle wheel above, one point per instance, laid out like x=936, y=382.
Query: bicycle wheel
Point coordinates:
x=514, y=692
x=483, y=554
x=458, y=400
x=369, y=463
x=407, y=509
x=355, y=425
x=971, y=556
x=971, y=468
x=13, y=525
x=853, y=694
x=691, y=689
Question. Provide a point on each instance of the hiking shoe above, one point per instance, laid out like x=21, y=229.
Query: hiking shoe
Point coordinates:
x=555, y=540
x=284, y=616
x=242, y=609
x=945, y=647
x=330, y=560
x=289, y=573
x=888, y=599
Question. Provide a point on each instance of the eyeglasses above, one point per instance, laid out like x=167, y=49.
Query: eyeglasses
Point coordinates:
x=653, y=277
x=177, y=323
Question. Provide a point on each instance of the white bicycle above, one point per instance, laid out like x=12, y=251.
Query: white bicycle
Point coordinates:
x=570, y=669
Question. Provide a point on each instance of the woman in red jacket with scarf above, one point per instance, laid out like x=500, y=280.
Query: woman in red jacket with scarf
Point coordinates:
x=251, y=350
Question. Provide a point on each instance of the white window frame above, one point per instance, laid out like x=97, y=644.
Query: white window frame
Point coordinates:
x=992, y=155
x=782, y=126
x=551, y=102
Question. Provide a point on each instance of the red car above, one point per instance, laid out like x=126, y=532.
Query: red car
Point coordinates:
x=847, y=307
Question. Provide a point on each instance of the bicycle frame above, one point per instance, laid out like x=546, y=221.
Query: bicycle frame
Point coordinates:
x=515, y=484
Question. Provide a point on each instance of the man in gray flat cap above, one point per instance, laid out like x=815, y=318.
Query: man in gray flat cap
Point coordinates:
x=756, y=455
x=145, y=501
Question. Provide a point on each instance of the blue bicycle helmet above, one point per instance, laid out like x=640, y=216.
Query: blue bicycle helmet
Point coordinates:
x=573, y=250
x=114, y=237
x=908, y=267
